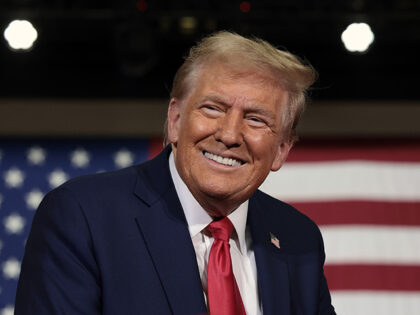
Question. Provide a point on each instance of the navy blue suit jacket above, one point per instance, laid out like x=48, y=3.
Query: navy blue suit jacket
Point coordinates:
x=118, y=243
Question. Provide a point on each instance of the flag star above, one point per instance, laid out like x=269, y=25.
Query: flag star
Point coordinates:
x=57, y=177
x=33, y=198
x=123, y=158
x=11, y=268
x=8, y=310
x=14, y=177
x=14, y=223
x=36, y=155
x=80, y=158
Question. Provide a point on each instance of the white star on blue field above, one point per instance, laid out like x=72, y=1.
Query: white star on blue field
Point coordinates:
x=28, y=170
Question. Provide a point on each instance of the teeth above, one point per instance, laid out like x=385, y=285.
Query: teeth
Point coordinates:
x=221, y=160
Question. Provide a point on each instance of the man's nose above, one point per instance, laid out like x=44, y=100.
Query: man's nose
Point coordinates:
x=229, y=129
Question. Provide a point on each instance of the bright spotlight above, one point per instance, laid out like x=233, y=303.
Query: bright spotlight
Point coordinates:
x=20, y=35
x=357, y=37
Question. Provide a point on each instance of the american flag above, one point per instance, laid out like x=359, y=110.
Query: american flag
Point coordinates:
x=365, y=196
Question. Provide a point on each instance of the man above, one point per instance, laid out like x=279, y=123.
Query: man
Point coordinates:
x=188, y=232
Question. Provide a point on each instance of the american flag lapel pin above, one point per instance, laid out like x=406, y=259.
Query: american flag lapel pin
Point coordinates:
x=274, y=240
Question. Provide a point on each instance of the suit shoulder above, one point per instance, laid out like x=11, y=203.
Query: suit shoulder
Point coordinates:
x=104, y=198
x=278, y=207
x=97, y=192
x=102, y=181
x=288, y=221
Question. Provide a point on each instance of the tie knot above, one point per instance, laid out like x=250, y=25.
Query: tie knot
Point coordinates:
x=221, y=230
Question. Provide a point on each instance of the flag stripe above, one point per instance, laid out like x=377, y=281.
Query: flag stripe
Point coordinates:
x=372, y=244
x=155, y=147
x=376, y=302
x=313, y=151
x=345, y=180
x=362, y=212
x=373, y=277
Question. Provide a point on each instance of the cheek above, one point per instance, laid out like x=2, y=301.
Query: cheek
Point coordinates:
x=200, y=127
x=263, y=144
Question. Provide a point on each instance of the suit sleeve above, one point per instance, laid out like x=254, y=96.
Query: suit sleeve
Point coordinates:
x=59, y=272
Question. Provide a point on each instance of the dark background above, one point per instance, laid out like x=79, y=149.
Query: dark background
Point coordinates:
x=120, y=49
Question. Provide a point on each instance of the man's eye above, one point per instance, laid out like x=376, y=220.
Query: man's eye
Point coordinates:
x=210, y=107
x=255, y=121
x=211, y=110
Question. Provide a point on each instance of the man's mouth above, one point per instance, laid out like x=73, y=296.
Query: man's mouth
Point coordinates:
x=222, y=160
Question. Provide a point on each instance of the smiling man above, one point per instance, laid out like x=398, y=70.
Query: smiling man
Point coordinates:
x=189, y=232
x=227, y=135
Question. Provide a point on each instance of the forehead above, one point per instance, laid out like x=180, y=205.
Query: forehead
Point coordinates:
x=221, y=81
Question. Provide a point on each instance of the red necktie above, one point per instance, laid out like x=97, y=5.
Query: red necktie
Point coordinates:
x=223, y=293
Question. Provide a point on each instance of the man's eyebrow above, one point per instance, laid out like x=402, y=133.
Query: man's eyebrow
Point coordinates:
x=214, y=98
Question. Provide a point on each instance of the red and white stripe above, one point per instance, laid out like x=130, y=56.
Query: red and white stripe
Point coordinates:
x=366, y=199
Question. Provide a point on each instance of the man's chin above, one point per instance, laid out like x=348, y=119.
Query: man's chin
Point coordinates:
x=220, y=202
x=217, y=190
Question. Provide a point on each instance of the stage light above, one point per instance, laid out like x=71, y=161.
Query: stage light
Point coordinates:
x=357, y=37
x=188, y=24
x=245, y=6
x=20, y=35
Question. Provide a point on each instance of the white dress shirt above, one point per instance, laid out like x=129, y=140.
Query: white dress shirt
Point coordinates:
x=243, y=260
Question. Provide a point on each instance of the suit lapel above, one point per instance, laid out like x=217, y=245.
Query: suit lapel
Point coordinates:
x=272, y=267
x=166, y=234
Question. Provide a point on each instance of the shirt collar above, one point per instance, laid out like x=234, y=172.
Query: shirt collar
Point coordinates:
x=197, y=217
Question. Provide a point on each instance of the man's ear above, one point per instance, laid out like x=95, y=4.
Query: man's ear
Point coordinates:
x=174, y=116
x=281, y=154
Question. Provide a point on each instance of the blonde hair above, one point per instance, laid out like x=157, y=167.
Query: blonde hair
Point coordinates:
x=252, y=54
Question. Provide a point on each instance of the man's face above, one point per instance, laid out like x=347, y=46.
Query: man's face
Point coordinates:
x=227, y=136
